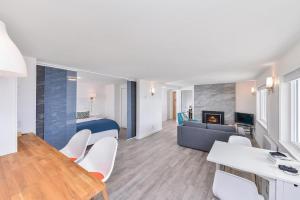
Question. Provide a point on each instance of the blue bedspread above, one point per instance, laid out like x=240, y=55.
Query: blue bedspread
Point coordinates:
x=98, y=125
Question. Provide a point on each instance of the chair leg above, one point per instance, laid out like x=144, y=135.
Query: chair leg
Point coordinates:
x=218, y=167
x=105, y=194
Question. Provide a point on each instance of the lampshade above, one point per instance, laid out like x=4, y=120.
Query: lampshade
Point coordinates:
x=11, y=60
x=253, y=90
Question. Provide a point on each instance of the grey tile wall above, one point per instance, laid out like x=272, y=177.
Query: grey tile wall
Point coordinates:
x=40, y=85
x=215, y=97
x=71, y=104
x=56, y=105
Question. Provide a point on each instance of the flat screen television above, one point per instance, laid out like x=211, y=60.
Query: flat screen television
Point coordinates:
x=244, y=118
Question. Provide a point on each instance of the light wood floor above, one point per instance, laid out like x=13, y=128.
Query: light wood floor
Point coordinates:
x=156, y=168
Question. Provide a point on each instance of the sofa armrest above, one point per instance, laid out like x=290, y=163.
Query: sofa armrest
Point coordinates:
x=179, y=135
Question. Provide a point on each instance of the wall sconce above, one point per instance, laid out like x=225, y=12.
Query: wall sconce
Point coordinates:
x=270, y=83
x=253, y=90
x=92, y=98
x=152, y=91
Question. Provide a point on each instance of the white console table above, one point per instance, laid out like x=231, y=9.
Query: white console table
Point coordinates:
x=254, y=160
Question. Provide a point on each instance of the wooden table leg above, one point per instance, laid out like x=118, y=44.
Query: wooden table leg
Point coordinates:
x=105, y=194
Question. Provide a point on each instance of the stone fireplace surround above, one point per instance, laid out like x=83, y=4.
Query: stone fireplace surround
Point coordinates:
x=215, y=97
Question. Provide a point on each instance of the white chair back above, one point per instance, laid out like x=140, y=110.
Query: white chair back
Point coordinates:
x=239, y=140
x=230, y=187
x=77, y=145
x=101, y=157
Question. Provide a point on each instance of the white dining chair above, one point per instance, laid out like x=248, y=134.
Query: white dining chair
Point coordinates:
x=100, y=160
x=230, y=187
x=76, y=147
x=234, y=139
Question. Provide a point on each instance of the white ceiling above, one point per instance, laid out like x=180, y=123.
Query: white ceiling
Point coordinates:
x=175, y=41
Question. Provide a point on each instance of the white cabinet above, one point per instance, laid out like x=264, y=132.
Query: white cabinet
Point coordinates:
x=287, y=191
x=291, y=191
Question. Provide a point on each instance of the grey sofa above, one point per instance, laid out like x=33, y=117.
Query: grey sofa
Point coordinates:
x=202, y=136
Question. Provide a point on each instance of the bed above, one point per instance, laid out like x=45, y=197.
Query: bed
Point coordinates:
x=100, y=128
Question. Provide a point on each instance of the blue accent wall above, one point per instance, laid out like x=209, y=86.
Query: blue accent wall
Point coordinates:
x=56, y=105
x=71, y=104
x=131, y=109
x=40, y=94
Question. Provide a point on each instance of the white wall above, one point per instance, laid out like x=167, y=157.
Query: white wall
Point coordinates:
x=182, y=100
x=118, y=102
x=8, y=115
x=186, y=100
x=27, y=98
x=85, y=90
x=178, y=102
x=149, y=112
x=287, y=63
x=107, y=102
x=165, y=104
x=110, y=101
x=245, y=100
x=170, y=104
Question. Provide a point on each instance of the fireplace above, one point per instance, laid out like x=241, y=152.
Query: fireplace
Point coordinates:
x=213, y=117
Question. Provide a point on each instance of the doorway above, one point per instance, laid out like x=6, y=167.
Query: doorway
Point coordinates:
x=187, y=102
x=174, y=104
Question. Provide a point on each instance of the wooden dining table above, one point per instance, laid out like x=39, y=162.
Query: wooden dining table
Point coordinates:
x=38, y=171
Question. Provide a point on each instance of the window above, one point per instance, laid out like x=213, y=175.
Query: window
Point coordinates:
x=262, y=106
x=289, y=113
x=295, y=111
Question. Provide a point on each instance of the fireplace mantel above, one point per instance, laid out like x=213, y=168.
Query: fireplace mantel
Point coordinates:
x=215, y=97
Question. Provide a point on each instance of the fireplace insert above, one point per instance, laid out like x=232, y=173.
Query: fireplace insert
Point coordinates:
x=213, y=117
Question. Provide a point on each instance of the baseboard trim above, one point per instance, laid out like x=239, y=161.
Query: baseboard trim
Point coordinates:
x=148, y=134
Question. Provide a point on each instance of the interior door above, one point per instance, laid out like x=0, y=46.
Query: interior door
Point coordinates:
x=174, y=105
x=123, y=107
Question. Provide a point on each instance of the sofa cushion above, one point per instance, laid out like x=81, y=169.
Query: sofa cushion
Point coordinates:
x=194, y=124
x=225, y=128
